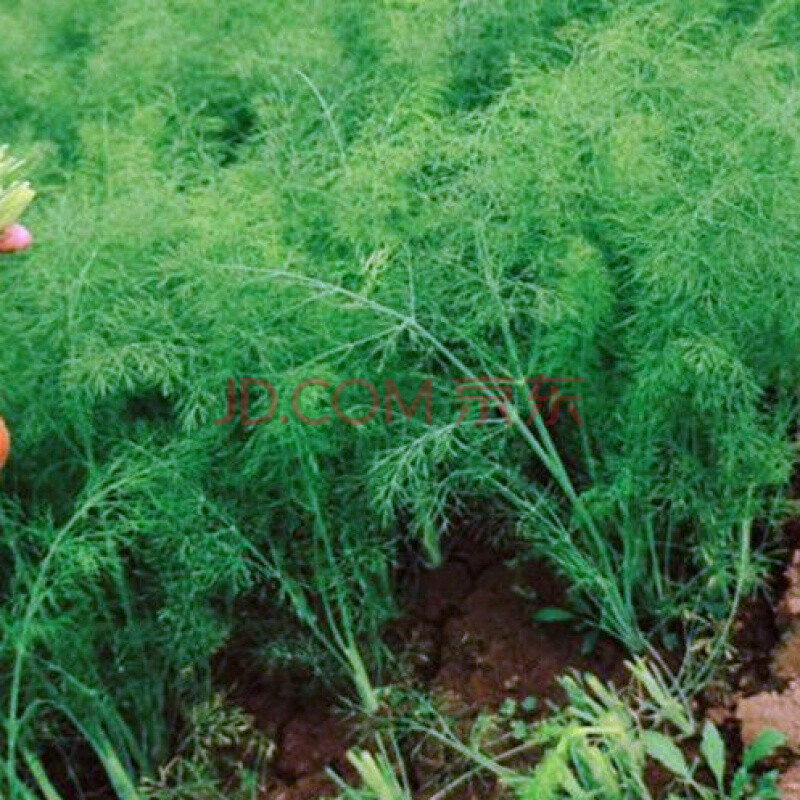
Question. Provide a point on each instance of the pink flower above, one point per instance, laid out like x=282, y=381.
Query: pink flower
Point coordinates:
x=15, y=238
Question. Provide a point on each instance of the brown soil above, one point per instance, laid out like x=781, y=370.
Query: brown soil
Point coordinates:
x=467, y=637
x=475, y=616
x=763, y=689
x=773, y=698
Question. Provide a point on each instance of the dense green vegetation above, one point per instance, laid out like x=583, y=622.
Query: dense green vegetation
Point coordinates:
x=383, y=190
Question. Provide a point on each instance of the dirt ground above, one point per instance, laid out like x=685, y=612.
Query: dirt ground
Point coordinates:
x=770, y=697
x=464, y=638
x=468, y=637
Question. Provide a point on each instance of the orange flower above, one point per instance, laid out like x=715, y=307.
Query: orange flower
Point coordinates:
x=5, y=443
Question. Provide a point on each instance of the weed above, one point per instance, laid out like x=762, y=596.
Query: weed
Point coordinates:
x=601, y=741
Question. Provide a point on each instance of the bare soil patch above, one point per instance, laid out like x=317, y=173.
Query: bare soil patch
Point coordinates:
x=467, y=636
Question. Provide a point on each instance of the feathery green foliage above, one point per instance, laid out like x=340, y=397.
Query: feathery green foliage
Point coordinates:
x=383, y=190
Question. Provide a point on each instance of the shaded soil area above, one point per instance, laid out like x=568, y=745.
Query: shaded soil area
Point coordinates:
x=767, y=694
x=468, y=638
x=470, y=626
x=762, y=687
